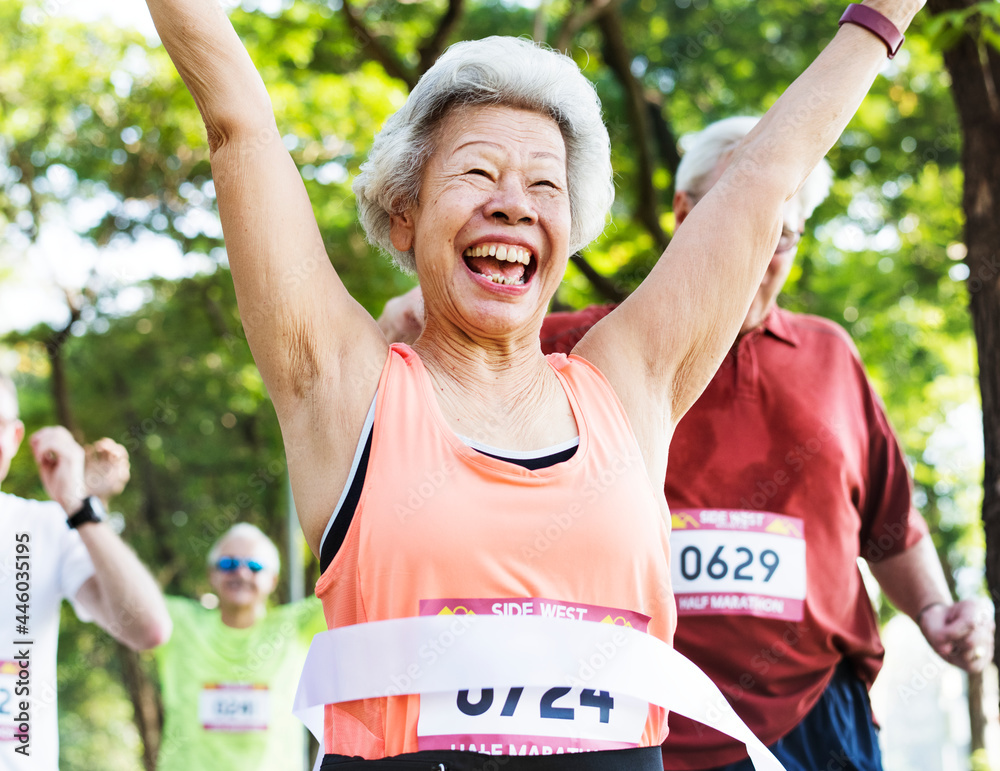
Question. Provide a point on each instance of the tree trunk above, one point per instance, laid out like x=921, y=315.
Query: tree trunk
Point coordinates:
x=141, y=690
x=60, y=390
x=975, y=694
x=618, y=57
x=975, y=74
x=147, y=710
x=977, y=715
x=146, y=703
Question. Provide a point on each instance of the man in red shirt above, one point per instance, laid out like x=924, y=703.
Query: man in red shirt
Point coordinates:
x=781, y=475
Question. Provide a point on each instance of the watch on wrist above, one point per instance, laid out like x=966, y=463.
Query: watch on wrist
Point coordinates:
x=91, y=511
x=876, y=23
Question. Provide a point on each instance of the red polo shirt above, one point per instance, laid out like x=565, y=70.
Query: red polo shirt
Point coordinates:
x=780, y=476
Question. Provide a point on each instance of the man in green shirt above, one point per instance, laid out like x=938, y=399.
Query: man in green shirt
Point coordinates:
x=228, y=675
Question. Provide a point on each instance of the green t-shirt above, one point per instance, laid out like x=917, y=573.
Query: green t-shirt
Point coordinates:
x=227, y=693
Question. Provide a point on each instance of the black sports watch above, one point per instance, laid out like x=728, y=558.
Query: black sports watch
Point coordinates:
x=91, y=511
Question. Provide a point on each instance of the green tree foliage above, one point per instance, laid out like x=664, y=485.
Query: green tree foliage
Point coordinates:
x=98, y=114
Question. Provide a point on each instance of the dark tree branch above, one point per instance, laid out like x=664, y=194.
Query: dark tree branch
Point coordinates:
x=435, y=44
x=54, y=346
x=619, y=59
x=367, y=41
x=216, y=317
x=147, y=708
x=666, y=142
x=990, y=58
x=605, y=287
x=578, y=18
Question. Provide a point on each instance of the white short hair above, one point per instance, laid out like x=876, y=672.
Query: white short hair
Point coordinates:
x=271, y=559
x=702, y=151
x=501, y=71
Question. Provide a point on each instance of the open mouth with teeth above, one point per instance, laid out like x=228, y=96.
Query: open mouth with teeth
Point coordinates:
x=501, y=263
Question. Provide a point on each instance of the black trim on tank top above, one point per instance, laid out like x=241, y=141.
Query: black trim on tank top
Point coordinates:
x=334, y=538
x=533, y=464
x=342, y=518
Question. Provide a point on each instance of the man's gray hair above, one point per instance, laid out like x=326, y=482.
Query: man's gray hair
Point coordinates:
x=705, y=148
x=270, y=558
x=501, y=71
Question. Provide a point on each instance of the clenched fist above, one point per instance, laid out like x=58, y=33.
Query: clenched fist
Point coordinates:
x=60, y=462
x=107, y=469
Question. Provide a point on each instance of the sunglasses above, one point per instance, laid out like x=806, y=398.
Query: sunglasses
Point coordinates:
x=230, y=564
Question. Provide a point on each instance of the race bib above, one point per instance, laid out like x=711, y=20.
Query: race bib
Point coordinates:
x=743, y=563
x=531, y=720
x=8, y=700
x=234, y=707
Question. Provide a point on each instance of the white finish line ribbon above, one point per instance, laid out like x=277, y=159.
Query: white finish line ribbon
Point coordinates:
x=431, y=654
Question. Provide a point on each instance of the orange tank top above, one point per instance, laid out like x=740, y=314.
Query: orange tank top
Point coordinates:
x=442, y=528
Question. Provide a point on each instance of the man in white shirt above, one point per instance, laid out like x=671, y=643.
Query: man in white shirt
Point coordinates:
x=49, y=551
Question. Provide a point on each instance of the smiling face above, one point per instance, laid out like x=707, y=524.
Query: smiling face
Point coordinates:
x=490, y=232
x=242, y=588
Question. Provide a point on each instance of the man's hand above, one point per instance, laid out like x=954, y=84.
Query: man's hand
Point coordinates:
x=961, y=634
x=107, y=469
x=402, y=320
x=61, y=466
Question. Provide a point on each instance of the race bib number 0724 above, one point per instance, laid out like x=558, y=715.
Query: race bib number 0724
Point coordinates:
x=531, y=721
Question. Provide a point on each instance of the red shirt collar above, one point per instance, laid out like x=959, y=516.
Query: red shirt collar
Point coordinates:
x=777, y=324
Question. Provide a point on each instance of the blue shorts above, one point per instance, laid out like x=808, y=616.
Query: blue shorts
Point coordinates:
x=838, y=734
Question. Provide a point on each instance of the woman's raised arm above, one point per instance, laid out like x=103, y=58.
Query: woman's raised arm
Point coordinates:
x=661, y=347
x=319, y=351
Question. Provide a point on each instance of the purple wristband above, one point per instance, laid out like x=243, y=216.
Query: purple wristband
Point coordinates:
x=875, y=23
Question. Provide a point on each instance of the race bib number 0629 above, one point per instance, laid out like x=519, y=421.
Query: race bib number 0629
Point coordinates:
x=731, y=562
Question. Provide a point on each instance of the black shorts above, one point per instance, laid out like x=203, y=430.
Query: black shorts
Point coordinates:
x=640, y=759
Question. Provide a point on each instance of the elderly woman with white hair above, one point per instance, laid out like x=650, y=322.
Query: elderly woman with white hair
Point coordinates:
x=469, y=474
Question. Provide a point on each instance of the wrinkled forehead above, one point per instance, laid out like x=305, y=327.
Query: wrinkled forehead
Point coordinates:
x=501, y=126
